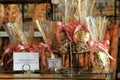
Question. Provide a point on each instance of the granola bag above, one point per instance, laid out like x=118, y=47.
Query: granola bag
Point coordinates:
x=99, y=55
x=80, y=39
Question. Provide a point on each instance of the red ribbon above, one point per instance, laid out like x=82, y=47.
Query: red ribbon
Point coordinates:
x=59, y=29
x=32, y=48
x=98, y=45
x=62, y=28
x=7, y=49
x=46, y=47
x=19, y=48
x=11, y=48
x=68, y=29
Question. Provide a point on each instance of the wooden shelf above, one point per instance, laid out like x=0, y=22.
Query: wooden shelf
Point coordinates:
x=23, y=1
x=52, y=76
x=4, y=34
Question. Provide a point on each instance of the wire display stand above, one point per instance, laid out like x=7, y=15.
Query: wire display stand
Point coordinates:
x=71, y=69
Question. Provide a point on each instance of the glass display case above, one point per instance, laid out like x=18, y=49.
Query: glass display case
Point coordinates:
x=77, y=73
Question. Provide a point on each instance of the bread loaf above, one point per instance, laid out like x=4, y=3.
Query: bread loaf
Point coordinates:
x=40, y=12
x=13, y=14
x=1, y=14
x=107, y=37
x=114, y=46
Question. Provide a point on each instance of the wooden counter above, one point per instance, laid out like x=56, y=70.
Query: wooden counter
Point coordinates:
x=52, y=77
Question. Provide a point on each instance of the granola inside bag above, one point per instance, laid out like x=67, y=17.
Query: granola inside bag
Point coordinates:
x=102, y=62
x=99, y=55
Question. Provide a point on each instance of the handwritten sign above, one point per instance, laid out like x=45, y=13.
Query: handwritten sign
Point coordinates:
x=54, y=63
x=25, y=61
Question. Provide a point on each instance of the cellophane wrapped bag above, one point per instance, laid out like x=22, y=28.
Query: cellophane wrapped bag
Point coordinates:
x=46, y=48
x=13, y=26
x=99, y=55
x=18, y=41
x=81, y=38
x=73, y=27
x=60, y=43
x=101, y=62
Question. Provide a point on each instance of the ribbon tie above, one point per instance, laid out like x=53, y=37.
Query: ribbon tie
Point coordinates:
x=79, y=28
x=46, y=47
x=11, y=48
x=68, y=29
x=32, y=48
x=98, y=45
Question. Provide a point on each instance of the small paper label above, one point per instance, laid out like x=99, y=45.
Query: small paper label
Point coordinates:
x=54, y=63
x=55, y=1
x=118, y=75
x=25, y=61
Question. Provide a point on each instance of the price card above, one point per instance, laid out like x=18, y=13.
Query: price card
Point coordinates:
x=25, y=61
x=55, y=1
x=54, y=63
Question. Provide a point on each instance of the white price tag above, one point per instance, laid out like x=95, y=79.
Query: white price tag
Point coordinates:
x=55, y=1
x=3, y=34
x=25, y=61
x=54, y=63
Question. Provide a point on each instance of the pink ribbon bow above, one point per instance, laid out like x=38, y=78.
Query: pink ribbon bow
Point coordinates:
x=98, y=45
x=60, y=26
x=9, y=49
x=32, y=48
x=19, y=48
x=46, y=47
x=68, y=29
